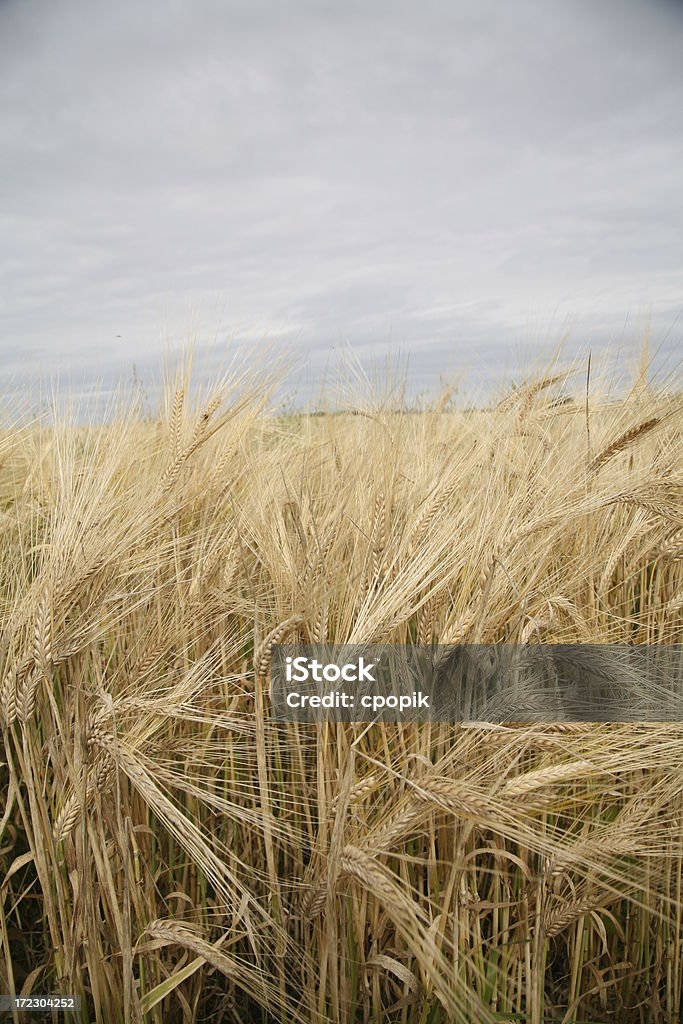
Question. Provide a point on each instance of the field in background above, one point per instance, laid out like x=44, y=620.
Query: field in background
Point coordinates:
x=169, y=853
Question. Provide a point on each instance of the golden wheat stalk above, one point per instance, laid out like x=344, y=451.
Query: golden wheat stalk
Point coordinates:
x=263, y=653
x=623, y=441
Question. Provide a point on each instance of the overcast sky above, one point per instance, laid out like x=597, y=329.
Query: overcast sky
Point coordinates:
x=461, y=179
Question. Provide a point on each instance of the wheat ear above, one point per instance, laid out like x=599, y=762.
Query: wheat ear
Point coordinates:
x=263, y=653
x=622, y=442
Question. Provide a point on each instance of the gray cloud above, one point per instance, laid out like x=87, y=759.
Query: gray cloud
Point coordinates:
x=456, y=179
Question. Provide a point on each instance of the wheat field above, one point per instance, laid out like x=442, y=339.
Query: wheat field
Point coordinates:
x=169, y=852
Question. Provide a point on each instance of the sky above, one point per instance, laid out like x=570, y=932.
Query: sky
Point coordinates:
x=464, y=183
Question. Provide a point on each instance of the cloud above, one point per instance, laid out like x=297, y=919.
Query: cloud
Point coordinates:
x=321, y=172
